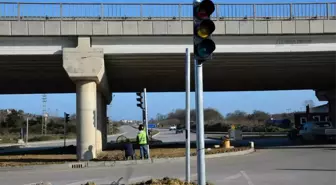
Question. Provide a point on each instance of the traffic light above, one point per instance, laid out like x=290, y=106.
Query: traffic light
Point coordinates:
x=66, y=117
x=140, y=100
x=204, y=46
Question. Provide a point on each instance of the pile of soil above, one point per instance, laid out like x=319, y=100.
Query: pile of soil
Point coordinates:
x=167, y=181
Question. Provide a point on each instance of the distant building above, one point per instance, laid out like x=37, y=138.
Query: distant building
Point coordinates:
x=318, y=113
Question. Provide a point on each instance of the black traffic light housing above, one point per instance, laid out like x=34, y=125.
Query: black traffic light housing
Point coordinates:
x=139, y=99
x=66, y=117
x=204, y=46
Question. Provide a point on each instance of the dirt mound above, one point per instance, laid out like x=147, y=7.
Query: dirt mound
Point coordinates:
x=166, y=181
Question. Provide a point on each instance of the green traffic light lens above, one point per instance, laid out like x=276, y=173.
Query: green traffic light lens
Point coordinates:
x=205, y=48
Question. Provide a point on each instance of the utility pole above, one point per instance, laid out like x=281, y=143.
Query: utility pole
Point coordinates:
x=27, y=129
x=203, y=48
x=44, y=115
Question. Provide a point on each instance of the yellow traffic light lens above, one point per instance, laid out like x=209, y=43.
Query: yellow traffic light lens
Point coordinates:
x=205, y=28
x=203, y=32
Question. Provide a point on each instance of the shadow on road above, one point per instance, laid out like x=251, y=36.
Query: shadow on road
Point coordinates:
x=330, y=170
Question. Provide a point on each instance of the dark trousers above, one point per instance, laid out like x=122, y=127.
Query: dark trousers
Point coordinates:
x=143, y=151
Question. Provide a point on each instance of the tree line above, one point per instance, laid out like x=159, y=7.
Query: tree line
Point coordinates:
x=12, y=120
x=257, y=121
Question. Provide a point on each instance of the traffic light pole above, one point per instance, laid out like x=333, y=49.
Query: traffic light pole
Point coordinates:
x=204, y=46
x=199, y=123
x=64, y=130
x=146, y=119
x=187, y=112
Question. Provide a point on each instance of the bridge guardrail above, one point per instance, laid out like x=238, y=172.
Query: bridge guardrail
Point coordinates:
x=163, y=11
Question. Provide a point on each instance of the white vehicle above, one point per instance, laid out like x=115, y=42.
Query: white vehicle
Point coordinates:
x=314, y=131
x=172, y=127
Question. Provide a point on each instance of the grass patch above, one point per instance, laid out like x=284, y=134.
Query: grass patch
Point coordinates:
x=4, y=139
x=117, y=155
x=50, y=137
x=58, y=156
x=11, y=138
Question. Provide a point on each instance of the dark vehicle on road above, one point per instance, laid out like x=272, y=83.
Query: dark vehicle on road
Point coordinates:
x=293, y=134
x=179, y=129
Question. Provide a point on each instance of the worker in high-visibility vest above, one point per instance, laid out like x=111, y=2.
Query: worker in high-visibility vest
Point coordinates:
x=142, y=140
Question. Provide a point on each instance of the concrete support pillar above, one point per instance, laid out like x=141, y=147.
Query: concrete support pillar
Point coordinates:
x=332, y=110
x=330, y=96
x=86, y=110
x=86, y=68
x=100, y=121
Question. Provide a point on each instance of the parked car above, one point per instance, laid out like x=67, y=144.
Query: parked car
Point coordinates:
x=317, y=131
x=172, y=128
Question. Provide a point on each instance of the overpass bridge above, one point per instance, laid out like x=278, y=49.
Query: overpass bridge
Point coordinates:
x=95, y=49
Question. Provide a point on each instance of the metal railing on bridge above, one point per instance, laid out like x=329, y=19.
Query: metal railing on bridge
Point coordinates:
x=163, y=11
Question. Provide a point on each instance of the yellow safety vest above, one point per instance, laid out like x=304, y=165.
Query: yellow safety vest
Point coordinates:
x=142, y=137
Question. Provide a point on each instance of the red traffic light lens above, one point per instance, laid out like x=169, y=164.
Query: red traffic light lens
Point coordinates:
x=205, y=9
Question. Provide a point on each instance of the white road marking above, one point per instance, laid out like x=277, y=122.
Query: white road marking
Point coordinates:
x=232, y=177
x=247, y=178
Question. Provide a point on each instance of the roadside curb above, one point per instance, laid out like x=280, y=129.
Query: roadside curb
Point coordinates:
x=156, y=134
x=88, y=164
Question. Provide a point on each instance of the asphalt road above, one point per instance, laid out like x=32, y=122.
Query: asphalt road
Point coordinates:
x=165, y=136
x=124, y=130
x=170, y=136
x=303, y=165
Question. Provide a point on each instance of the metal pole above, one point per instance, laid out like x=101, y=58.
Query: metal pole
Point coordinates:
x=27, y=125
x=64, y=130
x=199, y=124
x=187, y=116
x=146, y=119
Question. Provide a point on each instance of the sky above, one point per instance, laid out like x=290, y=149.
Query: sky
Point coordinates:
x=123, y=105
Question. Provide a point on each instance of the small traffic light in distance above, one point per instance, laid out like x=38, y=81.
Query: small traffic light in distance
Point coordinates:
x=66, y=117
x=204, y=46
x=140, y=100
